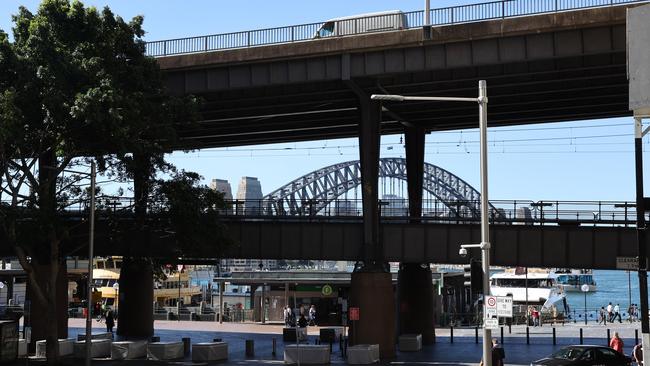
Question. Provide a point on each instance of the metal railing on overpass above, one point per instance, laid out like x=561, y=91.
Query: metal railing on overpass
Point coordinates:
x=353, y=26
x=546, y=212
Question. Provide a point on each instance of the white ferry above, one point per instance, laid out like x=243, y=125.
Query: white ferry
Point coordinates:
x=535, y=287
x=573, y=279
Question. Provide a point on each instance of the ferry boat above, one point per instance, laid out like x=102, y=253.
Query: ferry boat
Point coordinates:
x=106, y=274
x=573, y=279
x=532, y=286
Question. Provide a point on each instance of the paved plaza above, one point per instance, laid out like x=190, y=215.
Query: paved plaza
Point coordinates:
x=463, y=350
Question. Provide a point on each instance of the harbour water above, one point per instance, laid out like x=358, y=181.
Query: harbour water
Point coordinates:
x=613, y=286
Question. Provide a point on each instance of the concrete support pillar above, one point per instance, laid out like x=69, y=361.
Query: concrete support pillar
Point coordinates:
x=372, y=293
x=414, y=287
x=369, y=138
x=372, y=288
x=414, y=169
x=415, y=300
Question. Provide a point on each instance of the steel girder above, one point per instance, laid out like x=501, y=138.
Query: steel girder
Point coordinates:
x=312, y=192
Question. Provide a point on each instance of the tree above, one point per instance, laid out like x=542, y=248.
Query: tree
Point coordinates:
x=75, y=84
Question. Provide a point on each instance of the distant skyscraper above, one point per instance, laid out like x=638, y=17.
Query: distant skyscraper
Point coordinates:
x=223, y=186
x=250, y=191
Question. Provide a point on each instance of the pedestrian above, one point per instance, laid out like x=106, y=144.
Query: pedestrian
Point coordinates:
x=312, y=315
x=110, y=320
x=630, y=313
x=535, y=317
x=498, y=354
x=302, y=322
x=602, y=316
x=617, y=313
x=616, y=343
x=287, y=316
x=637, y=354
x=610, y=313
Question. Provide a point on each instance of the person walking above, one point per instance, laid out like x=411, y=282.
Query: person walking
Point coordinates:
x=287, y=316
x=535, y=317
x=302, y=322
x=312, y=315
x=110, y=320
x=617, y=313
x=610, y=312
x=498, y=354
x=630, y=313
x=637, y=354
x=602, y=316
x=616, y=343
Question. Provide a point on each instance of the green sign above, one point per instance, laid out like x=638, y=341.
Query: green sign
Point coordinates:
x=326, y=290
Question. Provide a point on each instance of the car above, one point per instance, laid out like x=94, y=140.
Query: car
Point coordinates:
x=584, y=355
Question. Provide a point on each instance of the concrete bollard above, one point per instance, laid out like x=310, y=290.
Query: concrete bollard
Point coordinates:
x=187, y=345
x=250, y=348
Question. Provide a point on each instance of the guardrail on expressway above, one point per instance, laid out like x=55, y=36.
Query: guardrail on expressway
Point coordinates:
x=413, y=19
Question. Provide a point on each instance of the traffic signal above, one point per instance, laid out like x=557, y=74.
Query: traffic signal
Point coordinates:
x=476, y=276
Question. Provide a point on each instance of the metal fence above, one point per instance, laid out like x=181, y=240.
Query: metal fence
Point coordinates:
x=414, y=19
x=596, y=213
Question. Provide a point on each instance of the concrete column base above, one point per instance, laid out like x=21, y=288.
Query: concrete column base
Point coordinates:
x=372, y=293
x=415, y=298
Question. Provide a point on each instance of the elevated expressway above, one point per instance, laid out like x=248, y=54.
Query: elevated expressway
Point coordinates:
x=550, y=67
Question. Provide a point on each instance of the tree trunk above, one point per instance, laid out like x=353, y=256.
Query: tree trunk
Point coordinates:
x=135, y=311
x=50, y=320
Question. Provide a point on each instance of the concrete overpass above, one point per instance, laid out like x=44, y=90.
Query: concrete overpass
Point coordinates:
x=550, y=67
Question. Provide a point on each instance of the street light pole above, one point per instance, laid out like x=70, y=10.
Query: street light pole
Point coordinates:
x=485, y=233
x=91, y=248
x=485, y=227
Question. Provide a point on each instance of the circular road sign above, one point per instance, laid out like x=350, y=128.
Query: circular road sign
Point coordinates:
x=326, y=290
x=584, y=287
x=492, y=301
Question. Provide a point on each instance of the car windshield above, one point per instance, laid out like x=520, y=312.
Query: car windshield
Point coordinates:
x=568, y=353
x=326, y=30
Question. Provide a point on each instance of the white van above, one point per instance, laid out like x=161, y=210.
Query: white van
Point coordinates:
x=363, y=23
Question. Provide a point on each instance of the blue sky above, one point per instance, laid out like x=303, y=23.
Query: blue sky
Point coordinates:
x=586, y=160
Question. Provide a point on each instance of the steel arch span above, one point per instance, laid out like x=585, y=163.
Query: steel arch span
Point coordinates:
x=313, y=192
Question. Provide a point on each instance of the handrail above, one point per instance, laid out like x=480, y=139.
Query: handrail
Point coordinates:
x=441, y=16
x=570, y=212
